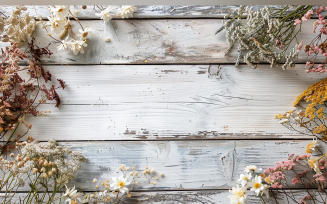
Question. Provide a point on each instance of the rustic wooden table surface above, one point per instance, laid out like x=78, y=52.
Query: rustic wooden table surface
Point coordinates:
x=162, y=93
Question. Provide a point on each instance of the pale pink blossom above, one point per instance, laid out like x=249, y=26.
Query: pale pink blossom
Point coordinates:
x=307, y=64
x=308, y=14
x=297, y=21
x=323, y=30
x=319, y=10
x=300, y=46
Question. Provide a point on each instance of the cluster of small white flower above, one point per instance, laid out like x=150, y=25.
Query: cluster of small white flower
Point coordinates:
x=259, y=25
x=60, y=24
x=126, y=11
x=112, y=192
x=17, y=27
x=45, y=163
x=45, y=152
x=257, y=184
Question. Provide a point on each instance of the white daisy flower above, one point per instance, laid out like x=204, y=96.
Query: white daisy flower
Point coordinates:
x=105, y=14
x=251, y=168
x=60, y=11
x=64, y=44
x=70, y=194
x=241, y=200
x=265, y=190
x=56, y=25
x=256, y=185
x=84, y=33
x=126, y=11
x=237, y=193
x=244, y=178
x=76, y=46
x=120, y=183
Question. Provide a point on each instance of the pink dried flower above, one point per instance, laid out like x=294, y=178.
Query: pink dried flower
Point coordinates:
x=319, y=10
x=269, y=170
x=308, y=14
x=295, y=180
x=290, y=157
x=321, y=20
x=297, y=21
x=314, y=29
x=323, y=30
x=307, y=64
x=300, y=46
x=276, y=185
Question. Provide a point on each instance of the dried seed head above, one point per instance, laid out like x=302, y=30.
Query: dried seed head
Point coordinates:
x=84, y=6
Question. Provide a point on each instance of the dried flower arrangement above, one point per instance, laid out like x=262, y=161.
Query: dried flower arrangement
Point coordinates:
x=115, y=192
x=317, y=46
x=17, y=28
x=264, y=32
x=19, y=96
x=310, y=119
x=307, y=171
x=42, y=166
x=267, y=36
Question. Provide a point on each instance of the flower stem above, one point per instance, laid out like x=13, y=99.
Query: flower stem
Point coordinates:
x=263, y=202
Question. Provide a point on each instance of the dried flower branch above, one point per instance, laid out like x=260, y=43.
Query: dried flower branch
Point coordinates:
x=17, y=98
x=311, y=118
x=307, y=172
x=263, y=33
x=41, y=165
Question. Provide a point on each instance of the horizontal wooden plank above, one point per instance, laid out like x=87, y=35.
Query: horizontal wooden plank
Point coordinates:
x=146, y=102
x=187, y=41
x=158, y=121
x=219, y=85
x=186, y=165
x=145, y=11
x=194, y=197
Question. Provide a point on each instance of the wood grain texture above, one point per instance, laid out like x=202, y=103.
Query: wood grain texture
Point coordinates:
x=192, y=197
x=186, y=165
x=146, y=102
x=173, y=41
x=146, y=11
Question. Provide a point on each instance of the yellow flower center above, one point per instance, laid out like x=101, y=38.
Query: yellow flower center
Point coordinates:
x=257, y=185
x=61, y=10
x=121, y=184
x=245, y=178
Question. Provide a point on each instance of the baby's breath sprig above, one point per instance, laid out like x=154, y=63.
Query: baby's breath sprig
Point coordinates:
x=119, y=189
x=41, y=165
x=263, y=33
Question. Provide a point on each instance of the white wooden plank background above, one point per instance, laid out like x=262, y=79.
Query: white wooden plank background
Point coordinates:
x=147, y=101
x=185, y=197
x=198, y=122
x=151, y=41
x=146, y=11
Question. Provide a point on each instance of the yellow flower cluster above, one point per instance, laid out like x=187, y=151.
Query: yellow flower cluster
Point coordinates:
x=317, y=94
